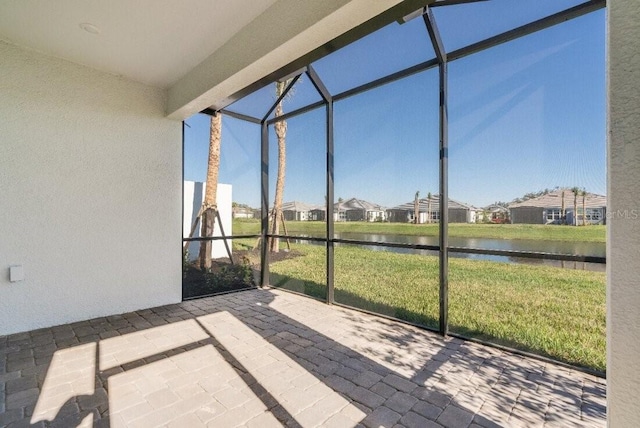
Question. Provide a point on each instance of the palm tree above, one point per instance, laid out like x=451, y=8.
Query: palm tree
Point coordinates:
x=429, y=207
x=563, y=211
x=281, y=132
x=209, y=206
x=576, y=191
x=416, y=208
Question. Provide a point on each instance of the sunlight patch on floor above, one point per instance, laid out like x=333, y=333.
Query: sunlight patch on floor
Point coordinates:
x=196, y=383
x=71, y=374
x=120, y=350
x=303, y=396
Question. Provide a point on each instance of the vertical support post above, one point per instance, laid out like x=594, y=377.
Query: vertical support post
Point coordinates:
x=328, y=99
x=444, y=202
x=264, y=193
x=438, y=47
x=182, y=255
x=330, y=197
x=623, y=203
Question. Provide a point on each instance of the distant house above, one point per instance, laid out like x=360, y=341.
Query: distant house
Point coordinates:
x=429, y=212
x=358, y=210
x=548, y=209
x=463, y=213
x=243, y=212
x=318, y=213
x=497, y=214
x=296, y=211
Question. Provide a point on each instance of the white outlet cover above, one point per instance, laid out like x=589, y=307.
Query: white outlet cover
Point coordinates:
x=16, y=273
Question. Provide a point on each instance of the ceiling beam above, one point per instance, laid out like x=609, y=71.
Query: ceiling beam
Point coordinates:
x=286, y=32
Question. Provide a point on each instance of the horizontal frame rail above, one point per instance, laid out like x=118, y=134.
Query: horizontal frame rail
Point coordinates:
x=388, y=244
x=235, y=115
x=218, y=238
x=464, y=250
x=415, y=69
x=531, y=255
x=301, y=238
x=525, y=30
x=297, y=112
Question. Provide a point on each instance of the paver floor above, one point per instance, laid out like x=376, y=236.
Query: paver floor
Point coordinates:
x=267, y=358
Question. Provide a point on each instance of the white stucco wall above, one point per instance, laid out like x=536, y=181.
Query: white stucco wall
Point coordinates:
x=623, y=214
x=90, y=193
x=193, y=197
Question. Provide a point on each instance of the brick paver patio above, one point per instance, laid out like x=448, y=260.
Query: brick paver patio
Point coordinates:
x=267, y=358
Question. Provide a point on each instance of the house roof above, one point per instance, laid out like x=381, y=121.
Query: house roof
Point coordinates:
x=554, y=200
x=435, y=205
x=358, y=204
x=297, y=206
x=237, y=209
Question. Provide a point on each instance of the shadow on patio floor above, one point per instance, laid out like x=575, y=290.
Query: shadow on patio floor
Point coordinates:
x=269, y=358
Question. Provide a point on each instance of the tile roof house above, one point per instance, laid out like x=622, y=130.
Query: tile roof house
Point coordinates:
x=297, y=211
x=356, y=209
x=429, y=211
x=245, y=212
x=557, y=207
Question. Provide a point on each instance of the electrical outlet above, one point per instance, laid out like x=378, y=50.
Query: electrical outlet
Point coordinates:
x=16, y=273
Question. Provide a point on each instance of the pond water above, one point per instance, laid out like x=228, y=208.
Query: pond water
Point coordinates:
x=557, y=247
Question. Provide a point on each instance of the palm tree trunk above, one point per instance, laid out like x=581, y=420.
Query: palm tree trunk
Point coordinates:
x=563, y=211
x=429, y=207
x=209, y=206
x=416, y=208
x=281, y=133
x=575, y=209
x=584, y=209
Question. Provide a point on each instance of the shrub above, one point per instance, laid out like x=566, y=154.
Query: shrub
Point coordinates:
x=230, y=275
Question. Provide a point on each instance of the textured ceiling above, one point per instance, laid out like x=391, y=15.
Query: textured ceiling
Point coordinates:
x=150, y=41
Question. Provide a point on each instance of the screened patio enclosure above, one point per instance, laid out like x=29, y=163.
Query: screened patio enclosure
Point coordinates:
x=409, y=109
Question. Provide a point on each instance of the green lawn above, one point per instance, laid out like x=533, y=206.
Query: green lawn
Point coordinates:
x=554, y=312
x=495, y=231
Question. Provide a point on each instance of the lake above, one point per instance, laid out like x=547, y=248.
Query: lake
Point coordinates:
x=597, y=249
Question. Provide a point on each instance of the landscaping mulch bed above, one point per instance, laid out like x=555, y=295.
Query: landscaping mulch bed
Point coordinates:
x=225, y=277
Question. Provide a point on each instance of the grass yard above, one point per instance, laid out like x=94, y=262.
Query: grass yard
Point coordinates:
x=559, y=313
x=494, y=231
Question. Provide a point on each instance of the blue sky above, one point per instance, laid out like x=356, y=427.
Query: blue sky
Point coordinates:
x=523, y=116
